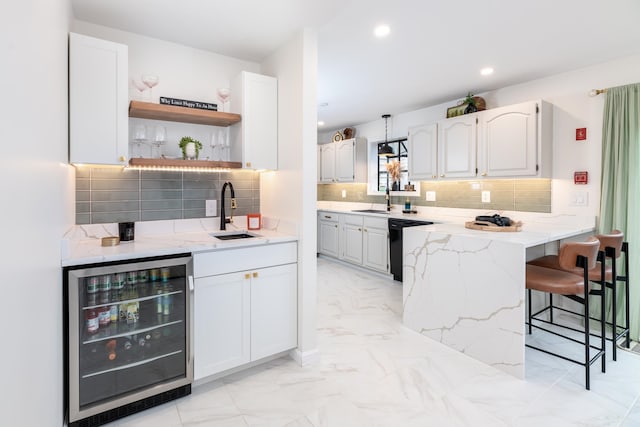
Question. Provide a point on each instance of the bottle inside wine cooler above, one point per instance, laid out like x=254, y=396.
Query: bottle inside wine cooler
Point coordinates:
x=110, y=348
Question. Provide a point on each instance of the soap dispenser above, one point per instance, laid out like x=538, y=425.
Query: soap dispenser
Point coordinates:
x=407, y=205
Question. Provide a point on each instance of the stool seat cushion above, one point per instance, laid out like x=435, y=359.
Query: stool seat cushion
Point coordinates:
x=552, y=261
x=554, y=281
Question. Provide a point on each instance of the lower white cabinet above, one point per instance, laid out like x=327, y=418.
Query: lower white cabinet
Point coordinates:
x=357, y=239
x=351, y=239
x=243, y=313
x=375, y=243
x=328, y=240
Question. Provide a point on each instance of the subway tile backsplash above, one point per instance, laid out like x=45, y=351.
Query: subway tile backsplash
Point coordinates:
x=524, y=195
x=106, y=195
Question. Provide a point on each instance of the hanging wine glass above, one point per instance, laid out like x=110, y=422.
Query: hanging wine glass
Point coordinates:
x=215, y=153
x=223, y=96
x=159, y=138
x=150, y=80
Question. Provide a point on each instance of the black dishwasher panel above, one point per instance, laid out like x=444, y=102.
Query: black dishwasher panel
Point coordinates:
x=395, y=243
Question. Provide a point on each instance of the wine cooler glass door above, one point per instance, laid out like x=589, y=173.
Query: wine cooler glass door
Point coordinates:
x=129, y=333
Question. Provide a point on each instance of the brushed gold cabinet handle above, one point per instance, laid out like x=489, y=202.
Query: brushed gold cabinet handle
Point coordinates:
x=255, y=274
x=483, y=174
x=442, y=176
x=359, y=229
x=247, y=276
x=365, y=230
x=434, y=176
x=336, y=226
x=123, y=159
x=248, y=164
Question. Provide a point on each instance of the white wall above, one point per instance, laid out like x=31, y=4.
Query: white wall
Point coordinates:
x=572, y=108
x=290, y=193
x=37, y=191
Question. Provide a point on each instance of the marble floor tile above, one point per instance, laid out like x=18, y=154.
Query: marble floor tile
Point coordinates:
x=373, y=371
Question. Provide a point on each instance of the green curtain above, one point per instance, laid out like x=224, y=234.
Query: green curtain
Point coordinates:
x=620, y=186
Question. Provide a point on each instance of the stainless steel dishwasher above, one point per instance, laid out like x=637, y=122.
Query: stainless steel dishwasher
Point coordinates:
x=395, y=242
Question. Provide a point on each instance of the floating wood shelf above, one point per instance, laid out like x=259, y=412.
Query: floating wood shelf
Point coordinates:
x=171, y=113
x=179, y=163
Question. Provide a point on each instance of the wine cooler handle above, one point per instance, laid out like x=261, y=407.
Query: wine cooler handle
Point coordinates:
x=191, y=283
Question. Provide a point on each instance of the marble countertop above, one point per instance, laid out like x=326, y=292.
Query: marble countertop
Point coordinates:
x=82, y=243
x=537, y=228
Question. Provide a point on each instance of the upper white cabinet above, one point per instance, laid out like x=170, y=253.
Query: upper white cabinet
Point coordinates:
x=515, y=140
x=423, y=152
x=255, y=138
x=457, y=147
x=98, y=101
x=343, y=161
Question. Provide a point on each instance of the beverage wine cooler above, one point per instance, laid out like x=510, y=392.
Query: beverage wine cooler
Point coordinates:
x=128, y=345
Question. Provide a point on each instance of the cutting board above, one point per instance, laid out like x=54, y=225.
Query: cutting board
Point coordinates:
x=489, y=226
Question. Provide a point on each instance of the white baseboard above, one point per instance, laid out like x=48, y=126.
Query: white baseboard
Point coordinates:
x=304, y=358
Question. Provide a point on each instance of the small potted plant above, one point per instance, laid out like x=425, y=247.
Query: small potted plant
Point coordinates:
x=190, y=147
x=471, y=104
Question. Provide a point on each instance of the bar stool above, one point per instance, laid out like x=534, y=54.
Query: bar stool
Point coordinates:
x=611, y=246
x=565, y=282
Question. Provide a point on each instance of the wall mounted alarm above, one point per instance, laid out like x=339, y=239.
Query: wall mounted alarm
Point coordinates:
x=581, y=177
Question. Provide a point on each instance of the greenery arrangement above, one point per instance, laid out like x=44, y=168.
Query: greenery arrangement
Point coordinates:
x=183, y=145
x=469, y=100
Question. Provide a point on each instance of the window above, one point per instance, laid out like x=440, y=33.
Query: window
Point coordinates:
x=378, y=174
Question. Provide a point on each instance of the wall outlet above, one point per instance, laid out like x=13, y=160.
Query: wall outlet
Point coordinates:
x=210, y=207
x=344, y=194
x=431, y=196
x=486, y=197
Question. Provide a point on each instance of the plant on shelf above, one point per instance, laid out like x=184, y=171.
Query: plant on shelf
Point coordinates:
x=190, y=147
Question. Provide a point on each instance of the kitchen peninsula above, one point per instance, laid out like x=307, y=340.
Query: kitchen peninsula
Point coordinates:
x=466, y=288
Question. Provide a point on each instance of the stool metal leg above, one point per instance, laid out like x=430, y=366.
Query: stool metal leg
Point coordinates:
x=530, y=313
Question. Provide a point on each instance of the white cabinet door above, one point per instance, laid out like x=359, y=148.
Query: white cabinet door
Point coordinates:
x=351, y=239
x=423, y=152
x=255, y=98
x=345, y=161
x=507, y=144
x=375, y=244
x=327, y=163
x=328, y=235
x=274, y=300
x=98, y=101
x=457, y=147
x=221, y=323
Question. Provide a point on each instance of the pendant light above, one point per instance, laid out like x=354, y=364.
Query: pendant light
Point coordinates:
x=385, y=150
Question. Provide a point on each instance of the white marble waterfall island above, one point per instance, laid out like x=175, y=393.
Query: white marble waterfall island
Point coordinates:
x=466, y=288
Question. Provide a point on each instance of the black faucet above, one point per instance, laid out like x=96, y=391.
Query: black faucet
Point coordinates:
x=223, y=219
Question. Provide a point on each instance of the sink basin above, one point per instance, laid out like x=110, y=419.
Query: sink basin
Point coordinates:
x=370, y=211
x=233, y=236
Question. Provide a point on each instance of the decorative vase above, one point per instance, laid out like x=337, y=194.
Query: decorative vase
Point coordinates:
x=190, y=151
x=471, y=108
x=395, y=186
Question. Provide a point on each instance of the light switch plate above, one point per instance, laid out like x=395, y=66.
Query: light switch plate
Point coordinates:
x=579, y=198
x=431, y=196
x=210, y=207
x=486, y=197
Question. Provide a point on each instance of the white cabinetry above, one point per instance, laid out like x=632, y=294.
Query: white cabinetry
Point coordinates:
x=375, y=243
x=351, y=238
x=343, y=161
x=245, y=306
x=357, y=239
x=423, y=152
x=98, y=101
x=328, y=240
x=513, y=140
x=457, y=147
x=255, y=138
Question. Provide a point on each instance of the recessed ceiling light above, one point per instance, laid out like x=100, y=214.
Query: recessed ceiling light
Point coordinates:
x=487, y=71
x=382, y=30
x=320, y=123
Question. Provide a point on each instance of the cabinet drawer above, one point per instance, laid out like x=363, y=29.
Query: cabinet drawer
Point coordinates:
x=371, y=222
x=355, y=220
x=240, y=259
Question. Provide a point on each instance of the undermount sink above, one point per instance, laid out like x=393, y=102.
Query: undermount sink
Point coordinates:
x=370, y=211
x=232, y=236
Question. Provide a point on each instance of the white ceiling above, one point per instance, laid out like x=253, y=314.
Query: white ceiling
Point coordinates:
x=433, y=54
